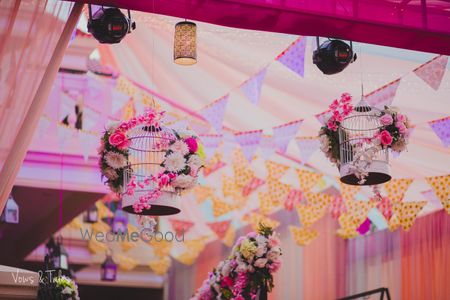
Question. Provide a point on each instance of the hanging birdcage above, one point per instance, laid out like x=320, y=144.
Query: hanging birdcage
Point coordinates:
x=146, y=153
x=362, y=160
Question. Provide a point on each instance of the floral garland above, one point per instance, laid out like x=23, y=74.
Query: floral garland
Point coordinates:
x=249, y=268
x=393, y=134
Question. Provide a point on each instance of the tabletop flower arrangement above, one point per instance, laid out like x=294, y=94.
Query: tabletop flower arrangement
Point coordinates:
x=59, y=288
x=248, y=272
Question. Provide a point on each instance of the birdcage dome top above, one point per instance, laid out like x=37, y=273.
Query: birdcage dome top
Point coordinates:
x=150, y=138
x=362, y=117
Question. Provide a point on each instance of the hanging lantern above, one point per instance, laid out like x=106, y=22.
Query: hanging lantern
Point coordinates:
x=59, y=258
x=10, y=212
x=119, y=222
x=363, y=161
x=91, y=215
x=109, y=269
x=185, y=43
x=146, y=154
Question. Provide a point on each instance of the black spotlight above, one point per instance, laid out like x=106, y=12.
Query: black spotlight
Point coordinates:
x=109, y=25
x=333, y=56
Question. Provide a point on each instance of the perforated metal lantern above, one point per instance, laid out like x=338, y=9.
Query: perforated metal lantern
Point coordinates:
x=355, y=130
x=146, y=154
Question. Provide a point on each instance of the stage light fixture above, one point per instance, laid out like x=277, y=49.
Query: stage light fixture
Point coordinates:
x=109, y=25
x=333, y=56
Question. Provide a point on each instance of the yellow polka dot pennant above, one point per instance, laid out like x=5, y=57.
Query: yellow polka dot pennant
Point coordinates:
x=160, y=266
x=302, y=236
x=441, y=187
x=307, y=179
x=406, y=212
x=275, y=170
x=396, y=188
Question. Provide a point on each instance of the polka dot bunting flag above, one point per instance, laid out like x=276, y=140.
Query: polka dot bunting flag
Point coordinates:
x=441, y=187
x=230, y=235
x=309, y=214
x=203, y=192
x=126, y=263
x=220, y=207
x=307, y=179
x=161, y=248
x=348, y=192
x=396, y=188
x=160, y=266
x=275, y=170
x=302, y=236
x=266, y=203
x=406, y=212
x=278, y=190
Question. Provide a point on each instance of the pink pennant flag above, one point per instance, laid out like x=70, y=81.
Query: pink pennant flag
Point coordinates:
x=267, y=146
x=252, y=186
x=323, y=117
x=284, y=133
x=252, y=87
x=307, y=147
x=337, y=207
x=384, y=95
x=249, y=141
x=433, y=71
x=214, y=113
x=292, y=199
x=294, y=56
x=432, y=198
x=210, y=143
x=441, y=128
x=220, y=228
x=180, y=226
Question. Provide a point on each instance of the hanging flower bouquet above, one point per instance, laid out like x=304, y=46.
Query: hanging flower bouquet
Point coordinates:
x=60, y=288
x=395, y=130
x=247, y=271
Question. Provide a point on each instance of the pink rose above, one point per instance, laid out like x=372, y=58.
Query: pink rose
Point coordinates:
x=401, y=127
x=332, y=125
x=119, y=140
x=192, y=144
x=164, y=180
x=346, y=98
x=401, y=118
x=385, y=138
x=334, y=105
x=386, y=119
x=227, y=281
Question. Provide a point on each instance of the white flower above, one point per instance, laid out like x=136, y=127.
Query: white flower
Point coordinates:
x=113, y=126
x=276, y=250
x=184, y=182
x=115, y=160
x=195, y=162
x=110, y=174
x=261, y=240
x=175, y=162
x=272, y=255
x=67, y=290
x=260, y=251
x=261, y=262
x=226, y=269
x=242, y=267
x=180, y=147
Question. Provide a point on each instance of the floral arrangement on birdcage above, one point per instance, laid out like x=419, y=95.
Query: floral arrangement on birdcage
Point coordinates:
x=248, y=272
x=393, y=133
x=60, y=288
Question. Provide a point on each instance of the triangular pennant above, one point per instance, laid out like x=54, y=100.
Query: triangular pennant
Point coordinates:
x=292, y=199
x=255, y=219
x=441, y=128
x=181, y=227
x=283, y=134
x=357, y=210
x=278, y=190
x=348, y=192
x=396, y=188
x=160, y=266
x=187, y=258
x=214, y=164
x=407, y=212
x=161, y=248
x=321, y=200
x=228, y=185
x=337, y=207
x=302, y=236
x=243, y=174
x=394, y=223
x=230, y=235
x=275, y=170
x=433, y=71
x=125, y=263
x=210, y=143
x=220, y=228
x=294, y=56
x=203, y=192
x=215, y=112
x=433, y=199
x=441, y=187
x=267, y=146
x=252, y=186
x=307, y=147
x=310, y=214
x=249, y=142
x=266, y=204
x=384, y=95
x=324, y=117
x=220, y=207
x=307, y=179
x=196, y=245
x=252, y=87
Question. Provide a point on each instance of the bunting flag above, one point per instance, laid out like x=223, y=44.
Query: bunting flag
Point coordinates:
x=228, y=185
x=160, y=266
x=307, y=179
x=97, y=247
x=278, y=190
x=267, y=146
x=127, y=245
x=310, y=214
x=276, y=170
x=220, y=228
x=433, y=199
x=266, y=204
x=394, y=223
x=252, y=87
x=346, y=232
x=302, y=236
x=356, y=213
x=242, y=174
x=214, y=164
x=215, y=112
x=254, y=184
x=384, y=95
x=337, y=207
x=294, y=56
x=283, y=134
x=433, y=71
x=385, y=206
x=125, y=263
x=348, y=192
x=230, y=236
x=196, y=245
x=161, y=248
x=220, y=207
x=396, y=188
x=323, y=117
x=364, y=227
x=187, y=258
x=307, y=146
x=210, y=143
x=229, y=146
x=254, y=219
x=441, y=128
x=320, y=200
x=180, y=227
x=203, y=192
x=249, y=142
x=293, y=198
x=407, y=212
x=441, y=187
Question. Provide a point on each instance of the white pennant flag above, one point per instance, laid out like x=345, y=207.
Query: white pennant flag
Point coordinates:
x=215, y=112
x=307, y=147
x=228, y=146
x=267, y=146
x=284, y=133
x=384, y=95
x=249, y=142
x=433, y=71
x=252, y=87
x=210, y=143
